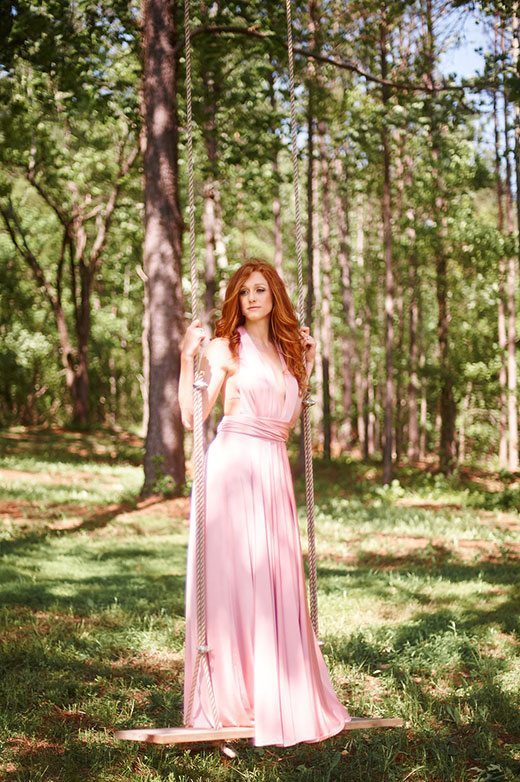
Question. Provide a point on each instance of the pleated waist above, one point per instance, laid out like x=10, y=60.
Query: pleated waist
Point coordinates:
x=255, y=426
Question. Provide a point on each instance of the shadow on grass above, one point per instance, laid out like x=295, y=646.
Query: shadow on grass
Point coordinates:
x=143, y=593
x=94, y=520
x=61, y=445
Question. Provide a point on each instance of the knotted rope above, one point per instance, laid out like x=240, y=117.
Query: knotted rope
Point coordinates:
x=199, y=386
x=307, y=402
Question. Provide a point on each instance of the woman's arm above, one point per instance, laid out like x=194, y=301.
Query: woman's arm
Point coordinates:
x=214, y=366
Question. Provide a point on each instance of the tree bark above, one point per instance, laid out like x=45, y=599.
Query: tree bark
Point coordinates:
x=164, y=447
x=348, y=343
x=447, y=407
x=502, y=338
x=326, y=319
x=386, y=208
x=511, y=276
x=413, y=358
x=275, y=169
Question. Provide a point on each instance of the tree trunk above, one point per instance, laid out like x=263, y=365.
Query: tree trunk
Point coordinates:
x=348, y=344
x=326, y=320
x=386, y=208
x=317, y=409
x=447, y=402
x=309, y=304
x=515, y=57
x=423, y=413
x=361, y=373
x=399, y=401
x=144, y=378
x=275, y=169
x=511, y=276
x=502, y=339
x=164, y=448
x=413, y=339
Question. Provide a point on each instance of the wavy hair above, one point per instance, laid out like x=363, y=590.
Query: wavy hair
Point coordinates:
x=283, y=323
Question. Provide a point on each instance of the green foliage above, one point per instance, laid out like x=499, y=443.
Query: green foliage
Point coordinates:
x=70, y=96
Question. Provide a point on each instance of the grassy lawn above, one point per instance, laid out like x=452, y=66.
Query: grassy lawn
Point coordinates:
x=419, y=600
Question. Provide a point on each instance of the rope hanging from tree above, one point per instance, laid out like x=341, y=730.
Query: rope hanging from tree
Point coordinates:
x=198, y=429
x=306, y=419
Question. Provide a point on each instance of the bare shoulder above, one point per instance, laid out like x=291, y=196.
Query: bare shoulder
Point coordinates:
x=218, y=352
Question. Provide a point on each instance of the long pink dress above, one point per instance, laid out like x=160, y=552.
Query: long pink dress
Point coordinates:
x=266, y=667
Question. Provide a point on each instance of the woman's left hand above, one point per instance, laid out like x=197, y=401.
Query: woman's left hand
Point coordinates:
x=309, y=345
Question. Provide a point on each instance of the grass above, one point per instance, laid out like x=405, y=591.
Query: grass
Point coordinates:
x=419, y=612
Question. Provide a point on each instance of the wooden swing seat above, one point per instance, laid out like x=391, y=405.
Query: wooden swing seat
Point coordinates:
x=209, y=735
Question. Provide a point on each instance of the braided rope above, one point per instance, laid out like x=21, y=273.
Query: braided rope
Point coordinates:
x=198, y=431
x=307, y=434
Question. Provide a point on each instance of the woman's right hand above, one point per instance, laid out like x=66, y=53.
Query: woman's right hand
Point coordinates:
x=193, y=339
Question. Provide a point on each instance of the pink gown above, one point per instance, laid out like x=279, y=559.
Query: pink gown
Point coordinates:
x=266, y=667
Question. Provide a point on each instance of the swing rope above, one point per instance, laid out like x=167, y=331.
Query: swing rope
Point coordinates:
x=307, y=402
x=199, y=386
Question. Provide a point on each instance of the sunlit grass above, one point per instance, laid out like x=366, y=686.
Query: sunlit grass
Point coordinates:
x=418, y=614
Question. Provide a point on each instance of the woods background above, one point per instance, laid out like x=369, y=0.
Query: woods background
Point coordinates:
x=410, y=184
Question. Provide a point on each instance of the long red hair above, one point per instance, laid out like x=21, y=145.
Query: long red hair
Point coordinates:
x=283, y=323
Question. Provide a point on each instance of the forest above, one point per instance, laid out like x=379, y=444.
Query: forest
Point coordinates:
x=409, y=190
x=386, y=192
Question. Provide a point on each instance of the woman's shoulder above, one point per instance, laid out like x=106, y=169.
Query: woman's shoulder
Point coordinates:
x=218, y=351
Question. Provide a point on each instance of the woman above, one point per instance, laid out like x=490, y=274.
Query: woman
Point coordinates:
x=266, y=666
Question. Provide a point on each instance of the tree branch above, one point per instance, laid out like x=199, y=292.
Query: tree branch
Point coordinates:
x=16, y=233
x=30, y=175
x=104, y=218
x=347, y=65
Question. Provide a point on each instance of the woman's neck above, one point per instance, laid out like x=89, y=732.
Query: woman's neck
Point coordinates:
x=259, y=331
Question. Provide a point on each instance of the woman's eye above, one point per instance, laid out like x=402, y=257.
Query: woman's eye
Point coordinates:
x=260, y=290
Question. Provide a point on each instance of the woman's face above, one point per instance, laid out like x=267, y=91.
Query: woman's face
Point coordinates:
x=256, y=301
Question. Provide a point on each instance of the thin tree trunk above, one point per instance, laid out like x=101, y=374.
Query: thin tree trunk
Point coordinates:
x=318, y=302
x=275, y=168
x=144, y=378
x=389, y=399
x=413, y=451
x=399, y=401
x=164, y=447
x=461, y=457
x=447, y=409
x=360, y=373
x=502, y=338
x=309, y=317
x=326, y=319
x=423, y=420
x=277, y=217
x=413, y=381
x=511, y=276
x=515, y=57
x=348, y=344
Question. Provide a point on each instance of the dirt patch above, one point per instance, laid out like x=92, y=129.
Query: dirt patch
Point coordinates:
x=70, y=517
x=161, y=665
x=410, y=502
x=68, y=477
x=47, y=623
x=500, y=519
x=390, y=552
x=28, y=746
x=15, y=509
